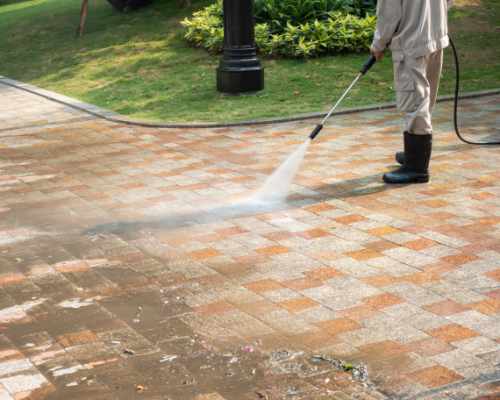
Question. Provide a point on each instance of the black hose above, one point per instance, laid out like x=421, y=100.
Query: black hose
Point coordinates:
x=455, y=106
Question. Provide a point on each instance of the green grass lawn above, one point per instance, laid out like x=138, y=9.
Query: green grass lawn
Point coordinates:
x=138, y=64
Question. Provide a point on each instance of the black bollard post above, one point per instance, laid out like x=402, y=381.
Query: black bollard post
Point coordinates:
x=239, y=69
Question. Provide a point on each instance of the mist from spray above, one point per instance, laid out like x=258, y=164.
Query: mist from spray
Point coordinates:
x=269, y=197
x=276, y=187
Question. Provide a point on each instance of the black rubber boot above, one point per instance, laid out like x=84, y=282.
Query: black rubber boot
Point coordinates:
x=417, y=155
x=400, y=157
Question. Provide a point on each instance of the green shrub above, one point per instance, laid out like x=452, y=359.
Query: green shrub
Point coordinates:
x=339, y=33
x=335, y=32
x=206, y=28
x=278, y=13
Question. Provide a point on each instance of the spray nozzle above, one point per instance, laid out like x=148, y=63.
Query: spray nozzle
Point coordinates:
x=316, y=131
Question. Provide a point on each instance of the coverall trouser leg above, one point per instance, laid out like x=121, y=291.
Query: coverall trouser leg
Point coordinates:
x=416, y=83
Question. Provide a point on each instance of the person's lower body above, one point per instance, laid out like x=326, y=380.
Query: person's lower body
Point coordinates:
x=416, y=83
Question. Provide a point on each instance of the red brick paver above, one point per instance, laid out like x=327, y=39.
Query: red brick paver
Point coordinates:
x=435, y=376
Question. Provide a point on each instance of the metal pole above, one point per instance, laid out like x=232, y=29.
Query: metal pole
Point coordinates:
x=239, y=69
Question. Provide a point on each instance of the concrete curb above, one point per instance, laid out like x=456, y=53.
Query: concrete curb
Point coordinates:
x=117, y=118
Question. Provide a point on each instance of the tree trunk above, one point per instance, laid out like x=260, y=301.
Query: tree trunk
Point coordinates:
x=83, y=17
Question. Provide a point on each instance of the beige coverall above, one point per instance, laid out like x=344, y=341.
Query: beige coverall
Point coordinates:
x=417, y=31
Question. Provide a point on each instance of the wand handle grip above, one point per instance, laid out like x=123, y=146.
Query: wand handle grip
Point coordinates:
x=368, y=64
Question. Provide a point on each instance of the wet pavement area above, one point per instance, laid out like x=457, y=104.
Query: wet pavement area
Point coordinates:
x=131, y=266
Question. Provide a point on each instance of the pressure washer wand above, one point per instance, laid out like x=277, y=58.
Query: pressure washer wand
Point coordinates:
x=363, y=71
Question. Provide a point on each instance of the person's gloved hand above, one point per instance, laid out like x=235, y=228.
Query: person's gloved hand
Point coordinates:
x=377, y=53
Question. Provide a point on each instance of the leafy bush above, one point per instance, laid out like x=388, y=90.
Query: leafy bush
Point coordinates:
x=329, y=33
x=337, y=34
x=206, y=28
x=278, y=13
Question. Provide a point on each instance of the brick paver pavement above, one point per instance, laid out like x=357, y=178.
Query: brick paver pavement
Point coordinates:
x=129, y=268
